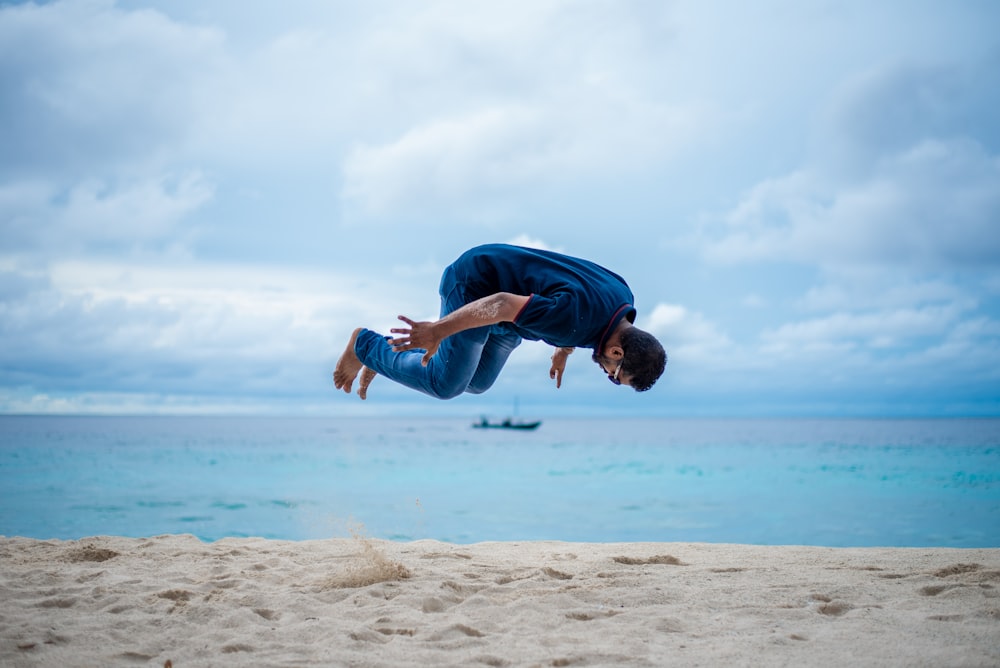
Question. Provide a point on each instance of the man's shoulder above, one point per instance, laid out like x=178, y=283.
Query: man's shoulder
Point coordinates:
x=497, y=254
x=497, y=249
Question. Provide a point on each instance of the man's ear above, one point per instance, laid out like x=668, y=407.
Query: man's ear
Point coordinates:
x=615, y=352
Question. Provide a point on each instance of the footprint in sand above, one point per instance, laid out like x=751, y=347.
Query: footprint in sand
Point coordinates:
x=433, y=604
x=176, y=595
x=456, y=631
x=831, y=607
x=934, y=590
x=367, y=635
x=57, y=603
x=664, y=559
x=446, y=555
x=558, y=575
x=137, y=657
x=462, y=589
x=957, y=569
x=514, y=576
x=89, y=553
x=590, y=616
x=236, y=647
x=835, y=608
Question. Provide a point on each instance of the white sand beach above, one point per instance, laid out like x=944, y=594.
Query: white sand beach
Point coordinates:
x=109, y=601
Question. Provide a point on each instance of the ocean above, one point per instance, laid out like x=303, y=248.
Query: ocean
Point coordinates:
x=894, y=483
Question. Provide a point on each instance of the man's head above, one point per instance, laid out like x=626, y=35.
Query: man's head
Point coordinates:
x=644, y=359
x=633, y=357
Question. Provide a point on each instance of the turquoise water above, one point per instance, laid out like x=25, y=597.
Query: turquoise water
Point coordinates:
x=813, y=482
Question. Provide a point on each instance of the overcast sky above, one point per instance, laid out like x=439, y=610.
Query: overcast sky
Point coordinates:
x=199, y=200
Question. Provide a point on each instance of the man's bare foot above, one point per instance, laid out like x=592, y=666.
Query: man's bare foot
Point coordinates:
x=367, y=376
x=348, y=366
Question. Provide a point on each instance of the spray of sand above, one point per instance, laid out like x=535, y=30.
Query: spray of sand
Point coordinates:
x=369, y=566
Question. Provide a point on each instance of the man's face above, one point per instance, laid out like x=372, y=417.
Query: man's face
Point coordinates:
x=613, y=369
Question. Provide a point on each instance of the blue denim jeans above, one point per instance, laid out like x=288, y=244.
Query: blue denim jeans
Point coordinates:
x=468, y=361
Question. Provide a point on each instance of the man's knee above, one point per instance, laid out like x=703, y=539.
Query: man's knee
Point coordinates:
x=479, y=387
x=449, y=388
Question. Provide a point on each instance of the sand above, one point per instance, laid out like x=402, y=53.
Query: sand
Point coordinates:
x=109, y=601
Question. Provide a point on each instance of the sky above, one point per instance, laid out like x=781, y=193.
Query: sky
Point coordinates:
x=201, y=199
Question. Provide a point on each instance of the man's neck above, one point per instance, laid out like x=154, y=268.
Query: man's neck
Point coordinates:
x=615, y=338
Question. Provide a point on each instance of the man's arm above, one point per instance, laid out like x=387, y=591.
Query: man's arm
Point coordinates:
x=490, y=310
x=559, y=364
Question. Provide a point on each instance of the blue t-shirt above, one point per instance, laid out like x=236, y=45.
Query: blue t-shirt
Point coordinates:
x=573, y=302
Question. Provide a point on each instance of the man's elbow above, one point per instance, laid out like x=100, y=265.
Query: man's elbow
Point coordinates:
x=511, y=306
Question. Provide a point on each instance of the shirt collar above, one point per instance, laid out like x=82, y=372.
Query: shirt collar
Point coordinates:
x=624, y=311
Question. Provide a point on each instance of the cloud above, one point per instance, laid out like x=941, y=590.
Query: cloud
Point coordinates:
x=98, y=105
x=529, y=241
x=87, y=87
x=922, y=192
x=880, y=289
x=687, y=335
x=548, y=119
x=147, y=328
x=433, y=111
x=478, y=162
x=492, y=150
x=36, y=216
x=891, y=109
x=897, y=328
x=932, y=206
x=143, y=210
x=162, y=159
x=896, y=211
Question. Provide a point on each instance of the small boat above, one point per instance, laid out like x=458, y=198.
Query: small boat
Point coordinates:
x=507, y=423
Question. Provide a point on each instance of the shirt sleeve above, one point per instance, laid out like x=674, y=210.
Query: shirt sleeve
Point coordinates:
x=553, y=317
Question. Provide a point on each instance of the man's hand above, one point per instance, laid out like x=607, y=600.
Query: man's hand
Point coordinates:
x=559, y=364
x=417, y=335
x=488, y=310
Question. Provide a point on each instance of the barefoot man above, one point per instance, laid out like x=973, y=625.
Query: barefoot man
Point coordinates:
x=494, y=296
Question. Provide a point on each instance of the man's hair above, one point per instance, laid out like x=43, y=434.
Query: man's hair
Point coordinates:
x=644, y=358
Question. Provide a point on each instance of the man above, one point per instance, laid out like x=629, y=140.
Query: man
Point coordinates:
x=494, y=296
